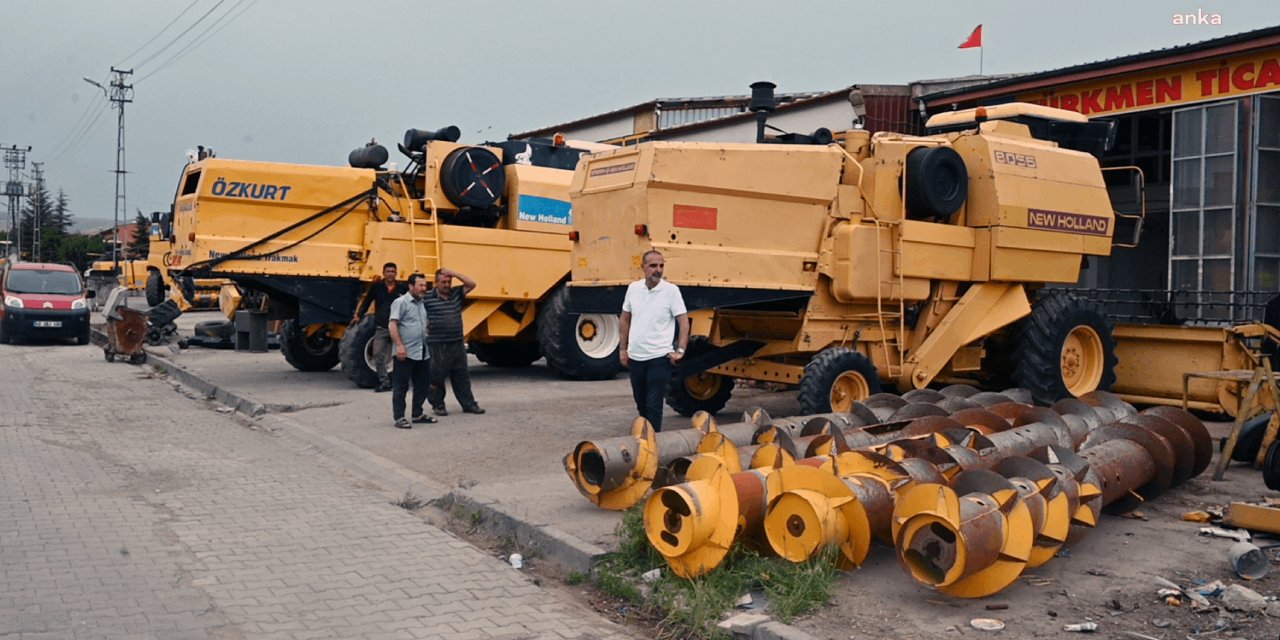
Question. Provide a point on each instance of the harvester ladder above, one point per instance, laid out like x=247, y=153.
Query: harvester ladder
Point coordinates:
x=435, y=240
x=895, y=253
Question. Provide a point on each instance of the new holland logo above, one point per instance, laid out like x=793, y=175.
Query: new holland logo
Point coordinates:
x=48, y=305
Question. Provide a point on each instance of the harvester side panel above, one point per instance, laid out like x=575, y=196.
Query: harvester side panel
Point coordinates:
x=722, y=214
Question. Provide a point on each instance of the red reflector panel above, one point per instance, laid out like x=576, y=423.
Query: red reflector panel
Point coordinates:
x=691, y=217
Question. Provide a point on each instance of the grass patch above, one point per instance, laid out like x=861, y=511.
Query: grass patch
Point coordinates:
x=410, y=502
x=575, y=578
x=691, y=608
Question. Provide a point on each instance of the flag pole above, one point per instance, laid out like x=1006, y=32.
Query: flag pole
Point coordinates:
x=981, y=51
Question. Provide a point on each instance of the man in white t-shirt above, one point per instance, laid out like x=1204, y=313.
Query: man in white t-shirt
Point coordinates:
x=655, y=332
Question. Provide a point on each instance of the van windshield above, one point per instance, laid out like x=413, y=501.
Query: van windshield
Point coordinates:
x=39, y=281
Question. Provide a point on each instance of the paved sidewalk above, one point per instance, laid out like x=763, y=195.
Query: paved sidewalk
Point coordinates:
x=130, y=511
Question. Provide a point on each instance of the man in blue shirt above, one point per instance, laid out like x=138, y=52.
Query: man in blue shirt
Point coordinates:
x=408, y=327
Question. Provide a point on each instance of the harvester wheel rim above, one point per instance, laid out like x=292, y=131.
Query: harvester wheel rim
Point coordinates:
x=597, y=334
x=1082, y=360
x=849, y=387
x=704, y=385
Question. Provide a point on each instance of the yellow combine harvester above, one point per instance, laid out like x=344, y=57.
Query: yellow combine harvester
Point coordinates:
x=836, y=263
x=312, y=238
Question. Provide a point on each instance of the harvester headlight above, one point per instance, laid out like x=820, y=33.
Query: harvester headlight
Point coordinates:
x=13, y=301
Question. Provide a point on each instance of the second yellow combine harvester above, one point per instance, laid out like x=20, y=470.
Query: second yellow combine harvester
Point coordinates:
x=312, y=238
x=838, y=263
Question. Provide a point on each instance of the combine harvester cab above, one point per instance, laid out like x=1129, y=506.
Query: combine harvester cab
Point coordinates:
x=304, y=242
x=844, y=264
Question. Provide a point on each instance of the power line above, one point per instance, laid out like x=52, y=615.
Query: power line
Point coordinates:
x=179, y=36
x=15, y=160
x=209, y=32
x=158, y=33
x=78, y=141
x=88, y=108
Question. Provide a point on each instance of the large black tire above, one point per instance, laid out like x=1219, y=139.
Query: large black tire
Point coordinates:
x=937, y=182
x=315, y=353
x=699, y=392
x=506, y=354
x=155, y=289
x=356, y=354
x=834, y=379
x=222, y=329
x=1065, y=348
x=578, y=347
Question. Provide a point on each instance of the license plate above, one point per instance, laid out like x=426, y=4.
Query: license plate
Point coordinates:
x=48, y=324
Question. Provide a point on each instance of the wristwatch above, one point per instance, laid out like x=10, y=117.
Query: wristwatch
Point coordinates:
x=679, y=350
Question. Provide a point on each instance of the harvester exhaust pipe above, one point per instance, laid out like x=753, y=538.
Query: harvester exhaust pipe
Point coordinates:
x=416, y=139
x=763, y=104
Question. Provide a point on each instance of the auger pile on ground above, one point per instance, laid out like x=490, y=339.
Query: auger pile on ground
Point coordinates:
x=970, y=488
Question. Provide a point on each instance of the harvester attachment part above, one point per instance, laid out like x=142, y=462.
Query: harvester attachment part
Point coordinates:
x=1133, y=464
x=617, y=475
x=1184, y=455
x=953, y=405
x=968, y=542
x=883, y=405
x=1051, y=507
x=959, y=390
x=917, y=410
x=989, y=398
x=771, y=456
x=813, y=509
x=1079, y=408
x=1200, y=438
x=929, y=396
x=716, y=444
x=929, y=424
x=1103, y=401
x=693, y=524
x=1019, y=394
x=875, y=480
x=981, y=420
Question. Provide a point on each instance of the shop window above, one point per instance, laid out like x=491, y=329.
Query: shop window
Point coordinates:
x=1266, y=189
x=1203, y=201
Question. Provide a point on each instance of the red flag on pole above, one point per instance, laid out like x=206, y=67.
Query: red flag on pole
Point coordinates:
x=974, y=39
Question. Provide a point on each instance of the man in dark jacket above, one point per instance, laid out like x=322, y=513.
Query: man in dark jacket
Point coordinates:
x=445, y=342
x=382, y=294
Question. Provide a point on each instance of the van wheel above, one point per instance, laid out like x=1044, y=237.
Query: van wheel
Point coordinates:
x=1064, y=349
x=155, y=288
x=83, y=338
x=4, y=337
x=702, y=391
x=317, y=352
x=578, y=346
x=835, y=379
x=356, y=353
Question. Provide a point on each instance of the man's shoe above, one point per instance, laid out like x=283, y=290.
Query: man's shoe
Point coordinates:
x=382, y=388
x=403, y=423
x=476, y=410
x=440, y=411
x=424, y=419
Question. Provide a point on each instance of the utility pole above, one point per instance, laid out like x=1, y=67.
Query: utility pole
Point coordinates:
x=38, y=205
x=119, y=94
x=15, y=160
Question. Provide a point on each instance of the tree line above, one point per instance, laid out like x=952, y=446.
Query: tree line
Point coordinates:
x=58, y=243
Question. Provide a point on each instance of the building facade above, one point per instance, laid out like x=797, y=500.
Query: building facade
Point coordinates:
x=1202, y=122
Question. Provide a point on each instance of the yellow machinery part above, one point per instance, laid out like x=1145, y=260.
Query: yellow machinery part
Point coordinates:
x=814, y=509
x=693, y=524
x=590, y=468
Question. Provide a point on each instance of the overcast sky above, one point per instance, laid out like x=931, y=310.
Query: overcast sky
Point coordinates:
x=306, y=81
